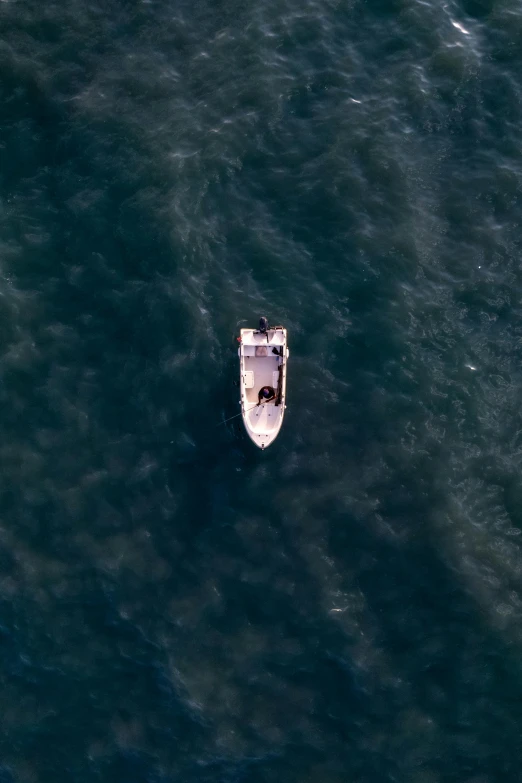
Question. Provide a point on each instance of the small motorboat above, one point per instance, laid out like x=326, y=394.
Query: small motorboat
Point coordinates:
x=263, y=356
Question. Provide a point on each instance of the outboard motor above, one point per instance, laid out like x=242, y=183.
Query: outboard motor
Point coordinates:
x=263, y=325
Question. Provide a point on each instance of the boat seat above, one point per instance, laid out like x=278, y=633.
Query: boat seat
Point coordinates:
x=275, y=378
x=248, y=379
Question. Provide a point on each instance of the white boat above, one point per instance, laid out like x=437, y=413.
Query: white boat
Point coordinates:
x=263, y=356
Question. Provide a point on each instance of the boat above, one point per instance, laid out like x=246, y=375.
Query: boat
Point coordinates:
x=263, y=356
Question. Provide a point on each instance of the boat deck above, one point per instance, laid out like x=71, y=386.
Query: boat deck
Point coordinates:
x=263, y=369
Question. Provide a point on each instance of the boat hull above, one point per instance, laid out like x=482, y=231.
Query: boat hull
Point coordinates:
x=263, y=361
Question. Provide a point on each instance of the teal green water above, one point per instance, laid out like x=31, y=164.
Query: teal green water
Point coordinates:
x=176, y=605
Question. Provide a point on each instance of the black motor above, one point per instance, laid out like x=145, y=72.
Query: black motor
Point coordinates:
x=263, y=325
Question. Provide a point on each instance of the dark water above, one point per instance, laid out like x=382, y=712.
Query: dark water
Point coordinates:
x=174, y=604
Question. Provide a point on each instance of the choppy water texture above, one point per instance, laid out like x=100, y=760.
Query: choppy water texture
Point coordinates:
x=174, y=604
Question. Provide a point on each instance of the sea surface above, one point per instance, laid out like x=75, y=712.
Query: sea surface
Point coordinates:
x=176, y=605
